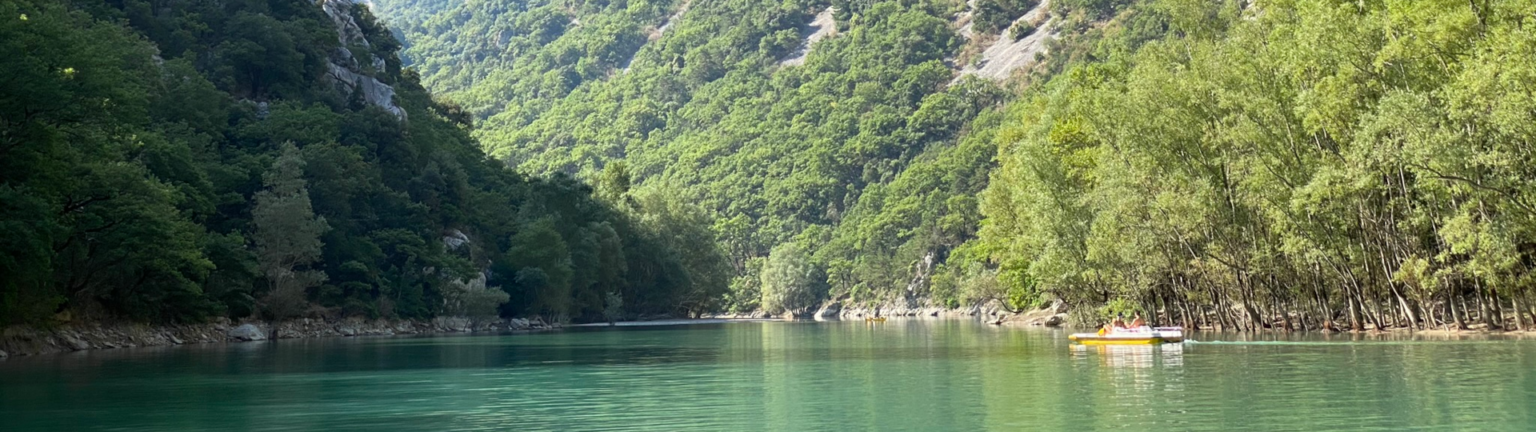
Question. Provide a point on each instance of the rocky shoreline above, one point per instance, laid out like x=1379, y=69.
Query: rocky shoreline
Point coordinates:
x=990, y=312
x=28, y=341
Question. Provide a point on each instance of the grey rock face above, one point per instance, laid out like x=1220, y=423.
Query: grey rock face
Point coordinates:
x=344, y=70
x=455, y=239
x=76, y=344
x=829, y=311
x=374, y=91
x=1056, y=320
x=247, y=332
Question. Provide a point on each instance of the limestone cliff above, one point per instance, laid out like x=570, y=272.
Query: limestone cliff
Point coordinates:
x=345, y=71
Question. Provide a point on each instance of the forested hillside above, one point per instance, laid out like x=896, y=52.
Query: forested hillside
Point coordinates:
x=810, y=156
x=861, y=164
x=177, y=161
x=1295, y=163
x=1247, y=164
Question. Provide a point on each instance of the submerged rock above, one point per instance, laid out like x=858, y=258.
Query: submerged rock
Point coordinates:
x=247, y=332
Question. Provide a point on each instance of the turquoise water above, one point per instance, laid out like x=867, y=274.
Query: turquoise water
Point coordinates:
x=780, y=376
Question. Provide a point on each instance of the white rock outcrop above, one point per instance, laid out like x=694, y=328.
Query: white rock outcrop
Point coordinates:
x=343, y=68
x=821, y=27
x=247, y=332
x=1005, y=55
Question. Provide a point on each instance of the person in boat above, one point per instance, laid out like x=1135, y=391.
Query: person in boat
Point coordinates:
x=1114, y=325
x=1137, y=322
x=1117, y=324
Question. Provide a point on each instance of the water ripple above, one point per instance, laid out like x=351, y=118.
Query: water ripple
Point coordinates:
x=774, y=376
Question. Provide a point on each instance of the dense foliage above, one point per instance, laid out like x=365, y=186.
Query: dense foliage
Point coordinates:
x=1290, y=162
x=1299, y=163
x=856, y=156
x=992, y=16
x=175, y=161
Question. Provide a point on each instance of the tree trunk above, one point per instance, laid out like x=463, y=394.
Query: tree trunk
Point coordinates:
x=1354, y=315
x=1450, y=303
x=1528, y=309
x=1466, y=312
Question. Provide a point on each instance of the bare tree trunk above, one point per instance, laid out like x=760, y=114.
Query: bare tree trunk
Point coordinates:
x=1374, y=313
x=1514, y=305
x=1528, y=309
x=1184, y=314
x=1322, y=304
x=1466, y=312
x=1408, y=312
x=1354, y=315
x=1497, y=306
x=1285, y=315
x=1450, y=303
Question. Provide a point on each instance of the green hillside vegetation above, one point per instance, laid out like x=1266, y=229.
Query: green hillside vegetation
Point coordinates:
x=775, y=154
x=1295, y=163
x=173, y=162
x=519, y=57
x=869, y=156
x=1242, y=164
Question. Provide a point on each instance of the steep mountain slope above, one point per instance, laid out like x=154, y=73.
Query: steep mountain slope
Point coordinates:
x=173, y=161
x=778, y=131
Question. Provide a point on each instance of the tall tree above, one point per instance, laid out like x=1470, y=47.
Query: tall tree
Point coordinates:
x=789, y=282
x=287, y=236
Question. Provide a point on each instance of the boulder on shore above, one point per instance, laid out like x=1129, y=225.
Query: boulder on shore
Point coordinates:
x=829, y=311
x=1056, y=320
x=75, y=343
x=247, y=332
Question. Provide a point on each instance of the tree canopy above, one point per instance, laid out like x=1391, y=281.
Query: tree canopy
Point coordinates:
x=176, y=161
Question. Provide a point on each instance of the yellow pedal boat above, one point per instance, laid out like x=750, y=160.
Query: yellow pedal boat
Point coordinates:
x=1136, y=336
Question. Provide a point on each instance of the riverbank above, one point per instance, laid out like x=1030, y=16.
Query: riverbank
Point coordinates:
x=27, y=341
x=990, y=312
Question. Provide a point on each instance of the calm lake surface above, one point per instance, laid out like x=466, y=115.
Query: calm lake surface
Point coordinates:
x=780, y=376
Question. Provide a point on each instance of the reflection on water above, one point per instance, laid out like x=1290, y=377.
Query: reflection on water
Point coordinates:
x=1131, y=356
x=783, y=376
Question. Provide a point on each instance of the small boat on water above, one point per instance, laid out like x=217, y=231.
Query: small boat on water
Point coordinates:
x=1131, y=336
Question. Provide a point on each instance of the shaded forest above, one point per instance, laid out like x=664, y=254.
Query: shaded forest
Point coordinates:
x=178, y=161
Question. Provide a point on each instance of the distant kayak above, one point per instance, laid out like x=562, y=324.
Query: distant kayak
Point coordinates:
x=1133, y=336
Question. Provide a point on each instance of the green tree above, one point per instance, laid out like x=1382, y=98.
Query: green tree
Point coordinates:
x=542, y=263
x=287, y=236
x=613, y=307
x=789, y=281
x=472, y=298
